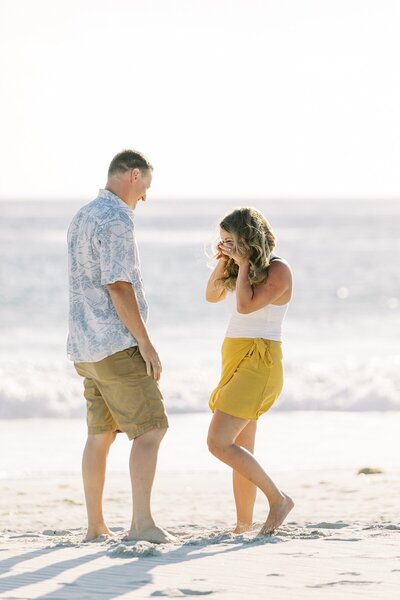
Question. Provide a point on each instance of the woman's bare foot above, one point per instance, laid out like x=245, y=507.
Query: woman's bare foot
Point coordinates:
x=277, y=514
x=154, y=534
x=95, y=532
x=243, y=527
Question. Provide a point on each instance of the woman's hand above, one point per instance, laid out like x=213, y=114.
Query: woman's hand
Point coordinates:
x=227, y=251
x=221, y=252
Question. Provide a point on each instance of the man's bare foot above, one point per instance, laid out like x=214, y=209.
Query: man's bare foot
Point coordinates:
x=243, y=527
x=153, y=534
x=95, y=532
x=277, y=514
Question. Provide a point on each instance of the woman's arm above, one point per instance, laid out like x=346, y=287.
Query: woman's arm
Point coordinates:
x=214, y=293
x=277, y=285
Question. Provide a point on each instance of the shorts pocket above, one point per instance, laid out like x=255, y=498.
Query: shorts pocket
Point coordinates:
x=132, y=351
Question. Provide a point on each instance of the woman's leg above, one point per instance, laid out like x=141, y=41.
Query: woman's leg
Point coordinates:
x=224, y=430
x=244, y=490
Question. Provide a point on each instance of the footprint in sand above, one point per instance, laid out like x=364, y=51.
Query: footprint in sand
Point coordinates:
x=337, y=539
x=53, y=532
x=181, y=593
x=134, y=550
x=25, y=535
x=325, y=525
x=343, y=582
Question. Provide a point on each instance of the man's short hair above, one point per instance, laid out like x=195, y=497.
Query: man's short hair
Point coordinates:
x=127, y=160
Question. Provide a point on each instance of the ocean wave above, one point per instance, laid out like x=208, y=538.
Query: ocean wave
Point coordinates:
x=53, y=389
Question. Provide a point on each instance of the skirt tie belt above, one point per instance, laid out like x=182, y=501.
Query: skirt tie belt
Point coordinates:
x=260, y=348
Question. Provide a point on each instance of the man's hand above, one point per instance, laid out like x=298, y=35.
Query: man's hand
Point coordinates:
x=151, y=358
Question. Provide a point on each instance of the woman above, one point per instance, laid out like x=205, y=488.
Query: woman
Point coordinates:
x=258, y=287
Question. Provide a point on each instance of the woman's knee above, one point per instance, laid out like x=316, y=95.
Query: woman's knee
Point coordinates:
x=216, y=444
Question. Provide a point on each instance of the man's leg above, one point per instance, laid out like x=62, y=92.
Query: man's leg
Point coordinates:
x=93, y=472
x=142, y=464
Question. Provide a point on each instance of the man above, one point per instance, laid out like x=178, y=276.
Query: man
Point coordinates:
x=110, y=345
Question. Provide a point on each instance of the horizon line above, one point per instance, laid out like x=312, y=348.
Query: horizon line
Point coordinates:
x=300, y=198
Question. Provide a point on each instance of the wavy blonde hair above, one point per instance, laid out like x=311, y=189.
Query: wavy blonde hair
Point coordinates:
x=253, y=237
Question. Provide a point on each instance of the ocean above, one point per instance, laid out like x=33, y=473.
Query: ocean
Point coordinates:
x=341, y=334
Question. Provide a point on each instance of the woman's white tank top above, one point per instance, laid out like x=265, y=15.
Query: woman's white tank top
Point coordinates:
x=264, y=323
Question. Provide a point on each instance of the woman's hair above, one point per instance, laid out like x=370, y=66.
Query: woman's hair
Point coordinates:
x=252, y=237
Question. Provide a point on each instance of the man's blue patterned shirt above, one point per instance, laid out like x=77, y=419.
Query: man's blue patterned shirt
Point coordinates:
x=102, y=249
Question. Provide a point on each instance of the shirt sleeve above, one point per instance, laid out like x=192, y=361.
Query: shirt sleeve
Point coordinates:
x=117, y=251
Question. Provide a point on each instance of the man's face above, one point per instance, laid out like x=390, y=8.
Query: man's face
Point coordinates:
x=141, y=181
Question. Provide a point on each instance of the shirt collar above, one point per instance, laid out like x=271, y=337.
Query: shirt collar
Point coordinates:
x=114, y=198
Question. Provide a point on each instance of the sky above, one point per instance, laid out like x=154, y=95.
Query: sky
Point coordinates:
x=227, y=98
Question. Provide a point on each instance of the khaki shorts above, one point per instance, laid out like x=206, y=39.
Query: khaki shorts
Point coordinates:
x=120, y=396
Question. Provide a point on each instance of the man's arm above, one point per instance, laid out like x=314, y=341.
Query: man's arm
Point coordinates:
x=124, y=300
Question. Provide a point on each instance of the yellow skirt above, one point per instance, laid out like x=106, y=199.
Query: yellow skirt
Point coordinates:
x=251, y=379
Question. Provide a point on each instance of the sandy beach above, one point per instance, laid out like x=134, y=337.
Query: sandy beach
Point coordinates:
x=340, y=541
x=291, y=108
